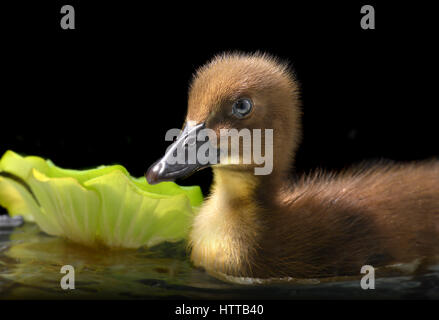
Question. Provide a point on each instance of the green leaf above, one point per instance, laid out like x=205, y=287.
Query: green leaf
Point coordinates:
x=104, y=205
x=68, y=209
x=17, y=200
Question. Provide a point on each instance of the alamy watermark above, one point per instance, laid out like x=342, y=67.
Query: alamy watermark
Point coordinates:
x=68, y=17
x=235, y=146
x=68, y=281
x=367, y=281
x=368, y=19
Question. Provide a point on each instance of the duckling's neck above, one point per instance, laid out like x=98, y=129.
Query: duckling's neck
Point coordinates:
x=228, y=228
x=236, y=187
x=231, y=185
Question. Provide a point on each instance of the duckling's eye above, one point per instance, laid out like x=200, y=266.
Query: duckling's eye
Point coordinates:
x=242, y=107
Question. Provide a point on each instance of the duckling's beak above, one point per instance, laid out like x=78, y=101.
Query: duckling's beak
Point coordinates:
x=180, y=158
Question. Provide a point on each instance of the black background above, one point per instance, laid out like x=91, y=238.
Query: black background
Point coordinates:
x=108, y=91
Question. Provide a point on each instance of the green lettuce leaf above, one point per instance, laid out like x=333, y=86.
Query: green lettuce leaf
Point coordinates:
x=97, y=206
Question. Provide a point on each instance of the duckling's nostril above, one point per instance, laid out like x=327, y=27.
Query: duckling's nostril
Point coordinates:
x=152, y=175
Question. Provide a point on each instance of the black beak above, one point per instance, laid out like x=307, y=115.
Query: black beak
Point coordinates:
x=180, y=159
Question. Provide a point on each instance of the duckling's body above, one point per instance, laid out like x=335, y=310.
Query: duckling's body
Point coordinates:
x=279, y=224
x=321, y=225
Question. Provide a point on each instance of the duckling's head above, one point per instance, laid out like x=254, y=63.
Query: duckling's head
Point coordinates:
x=239, y=91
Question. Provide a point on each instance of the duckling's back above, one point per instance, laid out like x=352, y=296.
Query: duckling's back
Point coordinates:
x=333, y=224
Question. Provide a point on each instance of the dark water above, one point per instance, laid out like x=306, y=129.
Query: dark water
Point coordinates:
x=30, y=263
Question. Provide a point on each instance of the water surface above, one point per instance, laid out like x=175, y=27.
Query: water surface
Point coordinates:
x=30, y=264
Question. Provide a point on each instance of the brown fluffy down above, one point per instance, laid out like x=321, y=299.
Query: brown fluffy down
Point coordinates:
x=370, y=215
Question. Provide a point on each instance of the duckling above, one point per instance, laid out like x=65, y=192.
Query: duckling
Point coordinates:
x=282, y=224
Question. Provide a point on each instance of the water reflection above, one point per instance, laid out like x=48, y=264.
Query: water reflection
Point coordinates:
x=30, y=263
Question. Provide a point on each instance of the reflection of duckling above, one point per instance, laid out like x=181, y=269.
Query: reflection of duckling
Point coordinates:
x=316, y=226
